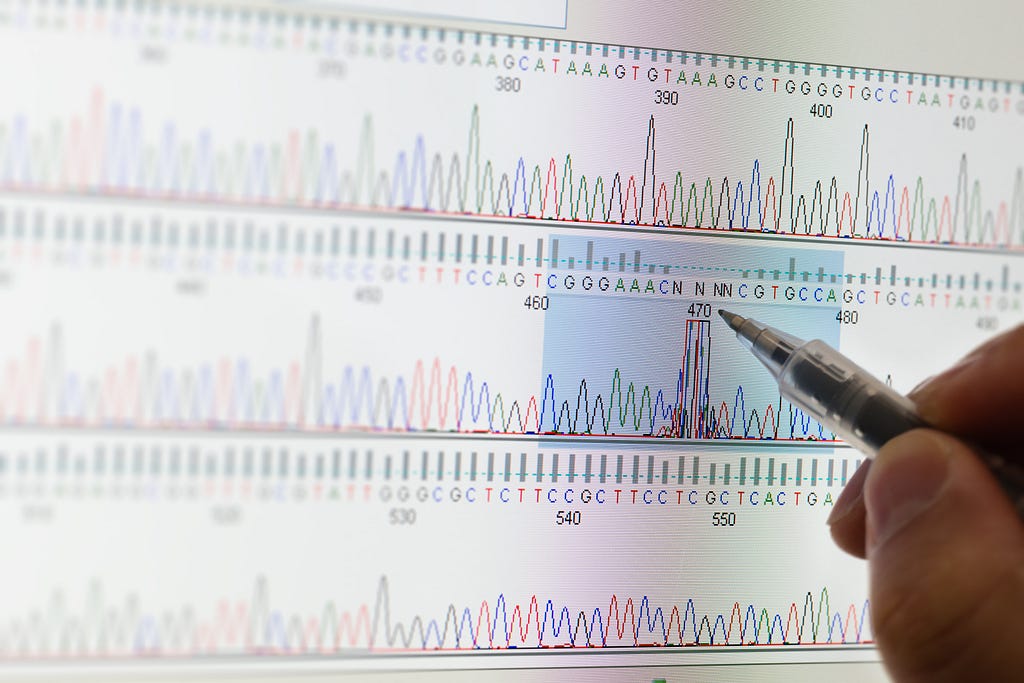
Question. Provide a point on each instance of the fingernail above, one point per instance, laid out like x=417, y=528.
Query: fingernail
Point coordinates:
x=906, y=479
x=851, y=496
x=922, y=384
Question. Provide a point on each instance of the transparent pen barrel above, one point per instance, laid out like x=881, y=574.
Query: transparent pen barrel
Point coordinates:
x=850, y=402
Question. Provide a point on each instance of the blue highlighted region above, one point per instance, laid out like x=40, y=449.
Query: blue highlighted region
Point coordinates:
x=642, y=351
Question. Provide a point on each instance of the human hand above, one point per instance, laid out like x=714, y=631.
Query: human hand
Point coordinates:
x=944, y=544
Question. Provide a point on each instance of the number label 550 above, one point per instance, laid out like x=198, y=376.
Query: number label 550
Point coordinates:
x=723, y=519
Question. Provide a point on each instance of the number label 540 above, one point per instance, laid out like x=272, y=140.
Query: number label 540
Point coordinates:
x=569, y=518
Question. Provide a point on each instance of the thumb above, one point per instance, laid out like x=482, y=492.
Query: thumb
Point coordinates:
x=946, y=554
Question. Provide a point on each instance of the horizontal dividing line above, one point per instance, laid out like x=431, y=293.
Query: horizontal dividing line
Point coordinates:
x=482, y=653
x=539, y=224
x=217, y=665
x=651, y=650
x=539, y=439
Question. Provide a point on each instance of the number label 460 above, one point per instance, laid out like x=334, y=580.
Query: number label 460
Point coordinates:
x=537, y=303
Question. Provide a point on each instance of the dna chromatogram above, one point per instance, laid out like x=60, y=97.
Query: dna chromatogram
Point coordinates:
x=362, y=344
x=115, y=150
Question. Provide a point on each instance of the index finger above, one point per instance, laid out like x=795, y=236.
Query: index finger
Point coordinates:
x=981, y=397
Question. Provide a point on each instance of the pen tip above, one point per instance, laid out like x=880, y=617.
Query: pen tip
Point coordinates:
x=732, y=320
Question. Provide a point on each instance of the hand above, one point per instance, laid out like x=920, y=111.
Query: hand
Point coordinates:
x=944, y=544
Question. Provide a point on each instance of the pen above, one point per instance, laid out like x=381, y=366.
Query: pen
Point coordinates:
x=845, y=398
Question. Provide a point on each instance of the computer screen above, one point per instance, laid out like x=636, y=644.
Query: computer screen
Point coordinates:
x=383, y=339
